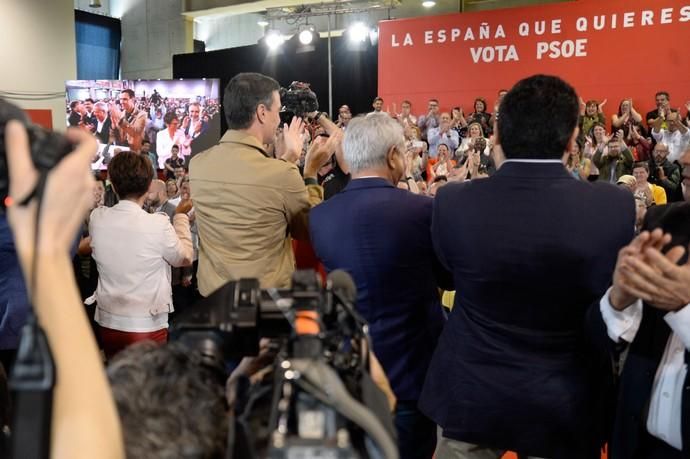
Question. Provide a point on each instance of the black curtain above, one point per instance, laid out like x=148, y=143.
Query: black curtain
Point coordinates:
x=98, y=46
x=355, y=73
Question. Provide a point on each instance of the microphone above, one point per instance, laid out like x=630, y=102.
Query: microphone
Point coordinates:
x=343, y=287
x=340, y=282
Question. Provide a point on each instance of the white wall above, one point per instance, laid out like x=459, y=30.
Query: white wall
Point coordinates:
x=152, y=31
x=84, y=5
x=38, y=51
x=220, y=32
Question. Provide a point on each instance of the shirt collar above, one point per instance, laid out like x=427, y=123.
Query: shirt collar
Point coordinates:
x=241, y=137
x=534, y=161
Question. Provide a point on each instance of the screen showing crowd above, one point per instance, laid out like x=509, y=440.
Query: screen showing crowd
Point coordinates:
x=148, y=116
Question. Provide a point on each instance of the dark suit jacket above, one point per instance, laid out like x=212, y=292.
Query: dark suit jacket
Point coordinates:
x=381, y=235
x=530, y=249
x=646, y=351
x=104, y=135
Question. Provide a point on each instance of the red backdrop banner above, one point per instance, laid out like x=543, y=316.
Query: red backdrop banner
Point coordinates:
x=611, y=49
x=43, y=117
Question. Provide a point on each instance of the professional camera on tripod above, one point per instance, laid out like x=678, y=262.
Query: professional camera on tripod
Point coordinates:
x=319, y=400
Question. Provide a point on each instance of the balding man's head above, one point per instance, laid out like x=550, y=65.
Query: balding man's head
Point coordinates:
x=157, y=194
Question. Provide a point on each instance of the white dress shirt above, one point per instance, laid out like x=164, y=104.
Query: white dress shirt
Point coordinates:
x=676, y=141
x=164, y=144
x=664, y=418
x=133, y=251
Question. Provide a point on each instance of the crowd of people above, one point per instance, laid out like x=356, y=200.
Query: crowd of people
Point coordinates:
x=156, y=124
x=561, y=238
x=451, y=146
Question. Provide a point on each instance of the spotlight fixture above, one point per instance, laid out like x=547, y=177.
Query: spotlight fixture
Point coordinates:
x=262, y=23
x=358, y=32
x=428, y=3
x=274, y=39
x=306, y=36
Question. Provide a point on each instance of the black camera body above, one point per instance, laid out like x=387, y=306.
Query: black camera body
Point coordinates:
x=317, y=342
x=297, y=100
x=47, y=148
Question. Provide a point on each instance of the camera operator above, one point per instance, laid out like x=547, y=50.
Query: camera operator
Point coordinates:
x=84, y=419
x=249, y=205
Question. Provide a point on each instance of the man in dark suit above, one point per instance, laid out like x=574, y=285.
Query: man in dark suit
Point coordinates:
x=530, y=249
x=649, y=308
x=381, y=235
x=195, y=127
x=102, y=123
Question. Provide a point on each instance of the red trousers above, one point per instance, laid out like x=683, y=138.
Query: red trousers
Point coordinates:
x=115, y=340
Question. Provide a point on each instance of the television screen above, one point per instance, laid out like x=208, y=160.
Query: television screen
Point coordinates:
x=125, y=114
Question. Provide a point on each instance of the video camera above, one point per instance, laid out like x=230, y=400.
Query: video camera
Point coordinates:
x=321, y=400
x=297, y=100
x=47, y=148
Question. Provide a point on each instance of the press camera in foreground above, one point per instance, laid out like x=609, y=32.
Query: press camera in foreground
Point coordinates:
x=318, y=399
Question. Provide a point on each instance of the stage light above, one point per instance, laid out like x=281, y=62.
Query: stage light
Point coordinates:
x=274, y=39
x=429, y=4
x=262, y=23
x=358, y=32
x=306, y=36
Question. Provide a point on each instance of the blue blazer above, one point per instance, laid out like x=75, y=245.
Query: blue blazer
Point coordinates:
x=530, y=249
x=381, y=235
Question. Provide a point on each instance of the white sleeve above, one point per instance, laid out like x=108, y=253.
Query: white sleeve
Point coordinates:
x=621, y=324
x=177, y=241
x=679, y=321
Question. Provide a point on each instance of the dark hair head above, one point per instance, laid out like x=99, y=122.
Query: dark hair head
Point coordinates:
x=243, y=94
x=169, y=117
x=440, y=178
x=591, y=131
x=663, y=93
x=377, y=98
x=88, y=99
x=538, y=117
x=175, y=147
x=642, y=164
x=73, y=104
x=479, y=99
x=129, y=92
x=406, y=102
x=131, y=174
x=171, y=404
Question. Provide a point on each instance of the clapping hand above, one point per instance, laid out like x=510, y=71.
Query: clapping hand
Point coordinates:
x=292, y=140
x=647, y=273
x=600, y=107
x=320, y=152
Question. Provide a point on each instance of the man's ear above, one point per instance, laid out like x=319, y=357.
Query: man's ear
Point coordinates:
x=261, y=113
x=572, y=141
x=390, y=157
x=497, y=139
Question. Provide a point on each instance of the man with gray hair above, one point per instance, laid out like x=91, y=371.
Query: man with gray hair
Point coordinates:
x=381, y=235
x=103, y=125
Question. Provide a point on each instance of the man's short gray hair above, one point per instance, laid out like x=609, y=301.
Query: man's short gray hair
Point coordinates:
x=101, y=106
x=368, y=139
